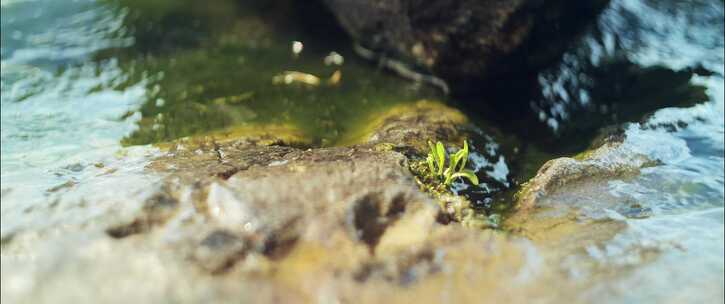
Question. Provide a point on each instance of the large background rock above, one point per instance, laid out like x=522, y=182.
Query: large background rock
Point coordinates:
x=466, y=41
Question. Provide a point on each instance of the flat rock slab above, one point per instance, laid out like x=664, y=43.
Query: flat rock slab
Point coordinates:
x=257, y=220
x=343, y=224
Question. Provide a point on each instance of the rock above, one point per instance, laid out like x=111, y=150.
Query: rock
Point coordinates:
x=406, y=128
x=611, y=159
x=411, y=126
x=155, y=211
x=241, y=219
x=219, y=250
x=571, y=204
x=287, y=224
x=466, y=41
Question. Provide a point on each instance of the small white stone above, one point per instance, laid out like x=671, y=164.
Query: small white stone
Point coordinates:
x=297, y=47
x=278, y=163
x=334, y=59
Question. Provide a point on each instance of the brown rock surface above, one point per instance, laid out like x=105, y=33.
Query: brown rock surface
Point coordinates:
x=254, y=220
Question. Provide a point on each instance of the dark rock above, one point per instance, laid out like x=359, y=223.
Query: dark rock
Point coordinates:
x=219, y=251
x=466, y=41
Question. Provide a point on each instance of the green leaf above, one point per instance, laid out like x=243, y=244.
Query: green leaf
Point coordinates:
x=441, y=152
x=431, y=165
x=459, y=157
x=470, y=175
x=464, y=156
x=433, y=159
x=432, y=148
x=448, y=172
x=455, y=158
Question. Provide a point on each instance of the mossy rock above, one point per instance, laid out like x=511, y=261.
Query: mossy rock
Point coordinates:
x=411, y=125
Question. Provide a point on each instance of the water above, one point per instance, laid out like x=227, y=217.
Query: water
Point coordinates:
x=81, y=80
x=58, y=130
x=86, y=85
x=684, y=193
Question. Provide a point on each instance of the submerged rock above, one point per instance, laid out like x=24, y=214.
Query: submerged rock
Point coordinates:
x=465, y=41
x=611, y=159
x=572, y=205
x=569, y=203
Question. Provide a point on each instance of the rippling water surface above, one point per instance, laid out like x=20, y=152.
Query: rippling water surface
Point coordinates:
x=81, y=79
x=683, y=195
x=59, y=131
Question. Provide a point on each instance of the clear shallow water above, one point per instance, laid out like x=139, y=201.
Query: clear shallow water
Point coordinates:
x=685, y=192
x=57, y=129
x=78, y=80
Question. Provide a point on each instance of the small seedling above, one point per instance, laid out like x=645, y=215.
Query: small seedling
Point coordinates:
x=456, y=165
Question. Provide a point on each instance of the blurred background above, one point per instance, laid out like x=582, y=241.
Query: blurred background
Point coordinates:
x=88, y=86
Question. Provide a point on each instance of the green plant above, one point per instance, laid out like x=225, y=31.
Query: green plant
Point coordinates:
x=456, y=165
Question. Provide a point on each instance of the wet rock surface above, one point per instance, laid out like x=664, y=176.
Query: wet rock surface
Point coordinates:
x=255, y=219
x=253, y=209
x=320, y=205
x=567, y=176
x=466, y=41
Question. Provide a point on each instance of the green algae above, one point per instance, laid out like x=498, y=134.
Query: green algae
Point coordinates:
x=435, y=112
x=223, y=77
x=210, y=70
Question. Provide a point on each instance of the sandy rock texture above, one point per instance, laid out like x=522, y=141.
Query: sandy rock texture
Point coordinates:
x=260, y=220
